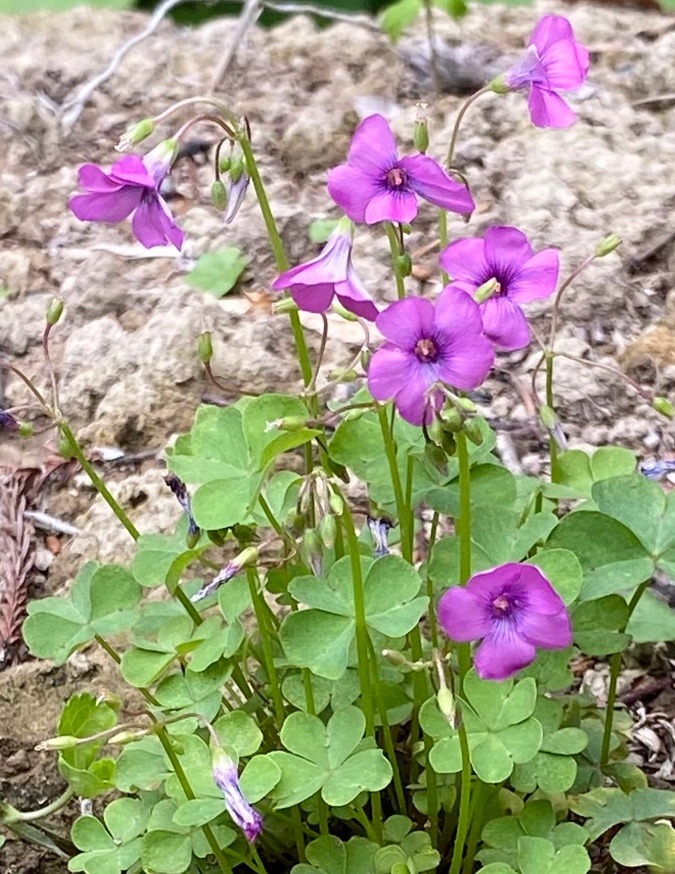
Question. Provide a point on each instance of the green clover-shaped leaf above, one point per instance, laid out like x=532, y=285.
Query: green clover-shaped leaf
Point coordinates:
x=329, y=855
x=320, y=638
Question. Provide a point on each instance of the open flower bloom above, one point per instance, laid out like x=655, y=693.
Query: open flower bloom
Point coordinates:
x=375, y=185
x=504, y=257
x=513, y=609
x=226, y=778
x=314, y=284
x=554, y=61
x=428, y=344
x=131, y=185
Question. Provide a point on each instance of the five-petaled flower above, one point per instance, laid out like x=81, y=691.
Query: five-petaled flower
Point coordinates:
x=375, y=185
x=426, y=345
x=505, y=258
x=131, y=185
x=226, y=778
x=513, y=609
x=554, y=61
x=314, y=284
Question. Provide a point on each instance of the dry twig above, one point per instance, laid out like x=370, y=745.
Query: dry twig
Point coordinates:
x=16, y=560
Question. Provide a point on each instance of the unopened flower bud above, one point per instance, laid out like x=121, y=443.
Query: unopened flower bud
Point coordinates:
x=291, y=423
x=466, y=404
x=434, y=453
x=395, y=657
x=54, y=312
x=236, y=169
x=607, y=245
x=421, y=131
x=328, y=530
x=135, y=135
x=9, y=423
x=231, y=569
x=64, y=742
x=446, y=704
x=192, y=537
x=344, y=313
x=451, y=420
x=237, y=191
x=65, y=450
x=448, y=443
x=664, y=406
x=336, y=503
x=285, y=305
x=219, y=194
x=473, y=432
x=26, y=429
x=128, y=736
x=224, y=164
x=548, y=417
x=404, y=264
x=205, y=347
x=406, y=228
x=365, y=358
x=353, y=415
x=486, y=290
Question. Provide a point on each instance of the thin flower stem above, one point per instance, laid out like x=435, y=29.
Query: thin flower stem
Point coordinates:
x=96, y=480
x=46, y=409
x=460, y=115
x=443, y=234
x=476, y=814
x=256, y=858
x=614, y=669
x=386, y=732
x=396, y=252
x=259, y=608
x=433, y=622
x=50, y=366
x=361, y=817
x=409, y=471
x=552, y=444
x=463, y=525
x=390, y=452
x=279, y=253
x=566, y=284
x=433, y=804
x=47, y=810
x=646, y=395
x=319, y=358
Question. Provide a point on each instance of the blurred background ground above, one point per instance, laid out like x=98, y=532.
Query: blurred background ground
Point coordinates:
x=125, y=351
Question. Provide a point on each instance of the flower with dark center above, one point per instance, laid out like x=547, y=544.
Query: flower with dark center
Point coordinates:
x=513, y=609
x=375, y=185
x=504, y=266
x=132, y=185
x=426, y=345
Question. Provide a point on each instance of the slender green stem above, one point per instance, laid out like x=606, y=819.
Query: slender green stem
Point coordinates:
x=256, y=858
x=386, y=733
x=298, y=833
x=458, y=121
x=463, y=524
x=279, y=253
x=408, y=547
x=361, y=817
x=390, y=452
x=47, y=810
x=443, y=234
x=96, y=480
x=396, y=252
x=433, y=804
x=433, y=621
x=552, y=445
x=476, y=816
x=259, y=606
x=614, y=670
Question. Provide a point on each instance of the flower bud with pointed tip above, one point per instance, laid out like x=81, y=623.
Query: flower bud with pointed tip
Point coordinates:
x=365, y=358
x=548, y=417
x=26, y=429
x=451, y=420
x=327, y=531
x=421, y=130
x=135, y=135
x=395, y=657
x=224, y=164
x=336, y=503
x=226, y=778
x=343, y=312
x=284, y=306
x=64, y=742
x=607, y=245
x=466, y=404
x=128, y=736
x=219, y=195
x=404, y=264
x=54, y=312
x=499, y=85
x=205, y=347
x=473, y=432
x=291, y=423
x=446, y=704
x=664, y=406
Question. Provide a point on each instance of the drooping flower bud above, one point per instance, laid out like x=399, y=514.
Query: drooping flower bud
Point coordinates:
x=607, y=245
x=446, y=704
x=231, y=569
x=379, y=530
x=226, y=778
x=239, y=180
x=499, y=84
x=179, y=489
x=219, y=195
x=328, y=530
x=404, y=264
x=26, y=429
x=135, y=135
x=284, y=306
x=421, y=131
x=664, y=406
x=159, y=160
x=205, y=347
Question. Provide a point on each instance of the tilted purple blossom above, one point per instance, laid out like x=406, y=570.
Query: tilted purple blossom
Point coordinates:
x=179, y=489
x=235, y=197
x=504, y=254
x=427, y=344
x=379, y=530
x=655, y=470
x=8, y=422
x=375, y=185
x=132, y=185
x=513, y=609
x=226, y=778
x=231, y=569
x=314, y=284
x=554, y=61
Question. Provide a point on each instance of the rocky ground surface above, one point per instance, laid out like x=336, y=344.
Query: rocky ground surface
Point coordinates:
x=125, y=351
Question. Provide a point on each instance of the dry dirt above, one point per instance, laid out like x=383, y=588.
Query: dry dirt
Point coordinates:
x=125, y=351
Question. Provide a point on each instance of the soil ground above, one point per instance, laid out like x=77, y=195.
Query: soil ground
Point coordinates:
x=125, y=352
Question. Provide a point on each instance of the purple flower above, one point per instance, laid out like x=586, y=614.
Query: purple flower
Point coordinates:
x=226, y=778
x=131, y=185
x=505, y=256
x=428, y=344
x=513, y=608
x=231, y=569
x=8, y=422
x=375, y=185
x=236, y=195
x=379, y=531
x=554, y=61
x=314, y=284
x=179, y=489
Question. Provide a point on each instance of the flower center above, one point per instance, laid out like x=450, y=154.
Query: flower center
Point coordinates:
x=397, y=178
x=426, y=351
x=502, y=607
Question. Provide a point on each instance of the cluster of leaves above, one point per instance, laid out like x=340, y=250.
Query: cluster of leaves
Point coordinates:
x=309, y=748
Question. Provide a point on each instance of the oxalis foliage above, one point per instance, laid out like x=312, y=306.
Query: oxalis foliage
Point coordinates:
x=377, y=684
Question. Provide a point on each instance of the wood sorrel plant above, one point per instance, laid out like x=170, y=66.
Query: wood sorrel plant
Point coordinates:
x=348, y=724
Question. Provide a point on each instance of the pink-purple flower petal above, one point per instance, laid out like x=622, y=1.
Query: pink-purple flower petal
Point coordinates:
x=405, y=321
x=130, y=170
x=548, y=109
x=391, y=206
x=502, y=654
x=566, y=66
x=373, y=147
x=505, y=324
x=428, y=179
x=537, y=277
x=352, y=190
x=464, y=260
x=462, y=615
x=111, y=207
x=313, y=298
x=549, y=30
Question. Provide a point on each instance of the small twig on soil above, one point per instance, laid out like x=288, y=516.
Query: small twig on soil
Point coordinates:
x=72, y=107
x=657, y=99
x=16, y=560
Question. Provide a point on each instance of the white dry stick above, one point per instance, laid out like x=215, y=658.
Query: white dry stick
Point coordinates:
x=72, y=107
